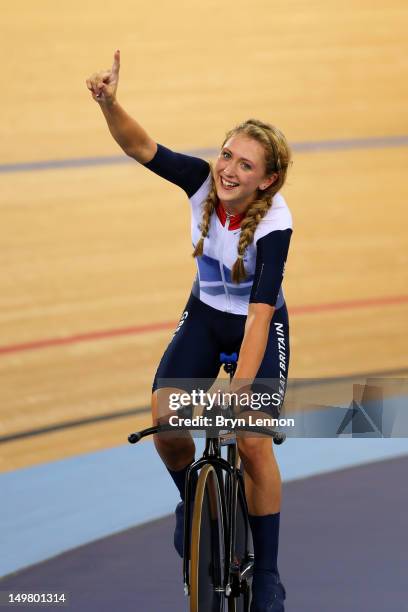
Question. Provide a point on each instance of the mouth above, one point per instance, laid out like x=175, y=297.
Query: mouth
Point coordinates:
x=229, y=185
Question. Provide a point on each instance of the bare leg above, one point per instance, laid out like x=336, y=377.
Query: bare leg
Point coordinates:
x=175, y=452
x=263, y=487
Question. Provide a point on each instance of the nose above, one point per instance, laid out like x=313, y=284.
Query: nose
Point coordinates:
x=229, y=169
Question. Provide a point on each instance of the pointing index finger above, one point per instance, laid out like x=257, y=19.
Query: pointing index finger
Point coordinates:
x=116, y=62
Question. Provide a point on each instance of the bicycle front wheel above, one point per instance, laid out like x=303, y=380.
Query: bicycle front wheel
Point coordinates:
x=207, y=546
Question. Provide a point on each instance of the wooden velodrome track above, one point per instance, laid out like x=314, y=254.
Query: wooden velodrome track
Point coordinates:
x=95, y=248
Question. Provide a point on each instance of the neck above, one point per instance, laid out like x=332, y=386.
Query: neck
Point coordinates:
x=235, y=209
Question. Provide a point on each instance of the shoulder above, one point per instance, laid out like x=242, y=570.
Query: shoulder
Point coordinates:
x=186, y=171
x=278, y=217
x=202, y=192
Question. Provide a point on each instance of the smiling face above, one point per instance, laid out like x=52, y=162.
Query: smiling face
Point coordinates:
x=239, y=172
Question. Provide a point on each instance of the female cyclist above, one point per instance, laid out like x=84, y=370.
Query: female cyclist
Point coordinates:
x=241, y=229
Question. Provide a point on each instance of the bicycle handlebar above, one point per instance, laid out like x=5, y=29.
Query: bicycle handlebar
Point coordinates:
x=230, y=363
x=133, y=438
x=278, y=436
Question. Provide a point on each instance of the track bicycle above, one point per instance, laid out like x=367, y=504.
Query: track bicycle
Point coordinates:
x=218, y=558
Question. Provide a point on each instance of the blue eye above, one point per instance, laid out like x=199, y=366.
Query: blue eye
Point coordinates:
x=225, y=154
x=246, y=166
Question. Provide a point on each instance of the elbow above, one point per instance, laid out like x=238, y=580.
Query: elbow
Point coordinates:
x=262, y=313
x=143, y=153
x=130, y=152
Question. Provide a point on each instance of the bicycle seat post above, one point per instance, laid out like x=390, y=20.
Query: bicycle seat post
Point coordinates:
x=230, y=363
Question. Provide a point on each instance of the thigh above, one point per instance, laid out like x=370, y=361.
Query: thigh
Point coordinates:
x=276, y=359
x=275, y=364
x=193, y=352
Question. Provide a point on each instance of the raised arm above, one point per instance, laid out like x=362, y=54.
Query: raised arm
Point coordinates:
x=129, y=135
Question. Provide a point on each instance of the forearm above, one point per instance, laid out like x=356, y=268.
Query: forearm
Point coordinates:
x=253, y=345
x=129, y=135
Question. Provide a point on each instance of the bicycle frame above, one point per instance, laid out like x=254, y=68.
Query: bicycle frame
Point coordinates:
x=233, y=477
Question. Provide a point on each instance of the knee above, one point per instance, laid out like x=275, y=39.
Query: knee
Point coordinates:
x=175, y=448
x=254, y=452
x=162, y=403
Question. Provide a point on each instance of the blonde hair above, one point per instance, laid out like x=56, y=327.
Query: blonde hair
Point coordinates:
x=277, y=160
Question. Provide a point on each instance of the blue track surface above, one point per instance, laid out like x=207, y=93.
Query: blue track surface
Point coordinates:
x=342, y=547
x=301, y=147
x=61, y=505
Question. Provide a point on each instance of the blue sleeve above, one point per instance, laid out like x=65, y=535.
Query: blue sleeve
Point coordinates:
x=271, y=254
x=186, y=171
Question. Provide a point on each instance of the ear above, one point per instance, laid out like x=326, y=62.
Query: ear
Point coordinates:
x=269, y=181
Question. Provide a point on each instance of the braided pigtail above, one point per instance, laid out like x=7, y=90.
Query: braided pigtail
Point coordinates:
x=255, y=212
x=277, y=161
x=208, y=209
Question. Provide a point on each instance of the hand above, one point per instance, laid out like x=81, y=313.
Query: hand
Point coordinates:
x=104, y=84
x=243, y=393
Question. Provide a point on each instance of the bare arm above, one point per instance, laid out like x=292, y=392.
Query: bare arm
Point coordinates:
x=254, y=343
x=129, y=135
